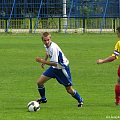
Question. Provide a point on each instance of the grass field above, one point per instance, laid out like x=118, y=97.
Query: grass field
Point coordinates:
x=19, y=73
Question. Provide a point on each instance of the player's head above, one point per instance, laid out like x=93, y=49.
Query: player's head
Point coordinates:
x=46, y=38
x=118, y=31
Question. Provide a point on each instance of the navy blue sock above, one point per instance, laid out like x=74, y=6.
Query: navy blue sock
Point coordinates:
x=41, y=90
x=77, y=96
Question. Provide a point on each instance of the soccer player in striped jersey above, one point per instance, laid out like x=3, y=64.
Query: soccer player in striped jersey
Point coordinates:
x=111, y=58
x=59, y=69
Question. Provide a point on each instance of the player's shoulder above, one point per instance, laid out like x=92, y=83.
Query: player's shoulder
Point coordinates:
x=54, y=44
x=118, y=42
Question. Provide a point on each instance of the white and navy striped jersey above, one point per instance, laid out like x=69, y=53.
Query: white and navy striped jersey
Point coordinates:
x=56, y=55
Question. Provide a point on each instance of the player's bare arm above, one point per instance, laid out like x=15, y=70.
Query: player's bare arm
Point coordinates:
x=40, y=60
x=108, y=59
x=46, y=57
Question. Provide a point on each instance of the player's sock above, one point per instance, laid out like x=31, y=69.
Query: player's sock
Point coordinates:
x=117, y=94
x=77, y=96
x=41, y=90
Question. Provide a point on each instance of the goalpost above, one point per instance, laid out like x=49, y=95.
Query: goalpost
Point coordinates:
x=104, y=15
x=64, y=15
x=36, y=24
x=8, y=24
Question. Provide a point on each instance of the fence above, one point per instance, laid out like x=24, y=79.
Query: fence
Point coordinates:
x=53, y=15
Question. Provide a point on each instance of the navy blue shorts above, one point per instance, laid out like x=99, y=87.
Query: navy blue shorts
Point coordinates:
x=63, y=76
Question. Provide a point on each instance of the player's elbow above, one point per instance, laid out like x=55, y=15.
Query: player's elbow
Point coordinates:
x=113, y=58
x=37, y=59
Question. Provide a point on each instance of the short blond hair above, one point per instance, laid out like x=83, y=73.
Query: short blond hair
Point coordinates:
x=45, y=34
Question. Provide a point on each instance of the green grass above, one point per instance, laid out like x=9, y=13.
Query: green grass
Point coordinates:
x=19, y=73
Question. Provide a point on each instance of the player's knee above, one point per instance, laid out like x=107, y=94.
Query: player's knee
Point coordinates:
x=118, y=80
x=70, y=90
x=42, y=80
x=39, y=83
x=119, y=71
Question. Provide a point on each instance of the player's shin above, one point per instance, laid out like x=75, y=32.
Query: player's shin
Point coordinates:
x=117, y=94
x=77, y=96
x=41, y=90
x=117, y=89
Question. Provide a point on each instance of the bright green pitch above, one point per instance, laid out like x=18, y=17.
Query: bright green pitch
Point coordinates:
x=19, y=73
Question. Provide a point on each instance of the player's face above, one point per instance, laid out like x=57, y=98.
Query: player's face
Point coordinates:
x=118, y=34
x=47, y=41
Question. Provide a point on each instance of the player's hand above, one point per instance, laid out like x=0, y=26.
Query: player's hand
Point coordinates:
x=99, y=61
x=38, y=59
x=42, y=65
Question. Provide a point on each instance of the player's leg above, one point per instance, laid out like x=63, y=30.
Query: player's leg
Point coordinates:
x=75, y=95
x=48, y=74
x=63, y=76
x=41, y=88
x=117, y=89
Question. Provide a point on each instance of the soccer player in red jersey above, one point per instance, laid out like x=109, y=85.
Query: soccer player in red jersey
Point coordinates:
x=111, y=58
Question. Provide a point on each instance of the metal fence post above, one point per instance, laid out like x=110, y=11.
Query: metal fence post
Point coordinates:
x=30, y=30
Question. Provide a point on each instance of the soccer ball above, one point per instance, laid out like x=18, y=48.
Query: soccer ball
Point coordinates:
x=33, y=106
